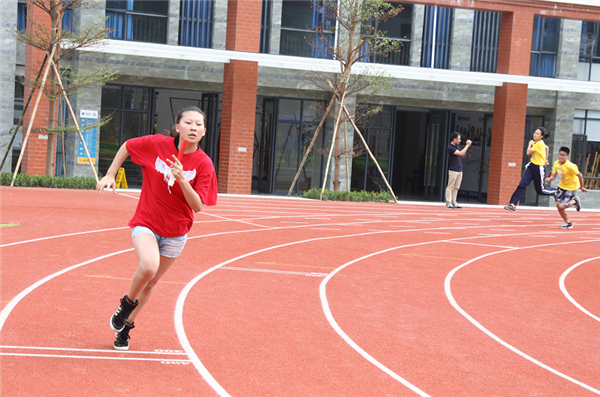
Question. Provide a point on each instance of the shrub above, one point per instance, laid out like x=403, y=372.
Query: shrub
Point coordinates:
x=343, y=195
x=47, y=181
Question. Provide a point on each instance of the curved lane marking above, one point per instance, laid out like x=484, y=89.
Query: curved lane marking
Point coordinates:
x=179, y=328
x=346, y=338
x=493, y=336
x=181, y=299
x=566, y=293
x=13, y=302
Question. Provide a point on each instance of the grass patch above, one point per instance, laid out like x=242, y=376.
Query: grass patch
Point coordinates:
x=56, y=182
x=343, y=195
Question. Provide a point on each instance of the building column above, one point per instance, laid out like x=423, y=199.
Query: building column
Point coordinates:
x=416, y=45
x=34, y=157
x=239, y=98
x=462, y=35
x=510, y=106
x=8, y=50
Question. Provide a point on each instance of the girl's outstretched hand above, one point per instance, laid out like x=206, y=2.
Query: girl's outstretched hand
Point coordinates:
x=108, y=182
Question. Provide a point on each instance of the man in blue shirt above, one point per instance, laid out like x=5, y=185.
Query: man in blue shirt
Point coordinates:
x=454, y=169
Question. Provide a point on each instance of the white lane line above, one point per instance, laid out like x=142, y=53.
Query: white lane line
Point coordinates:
x=245, y=269
x=232, y=220
x=336, y=327
x=63, y=235
x=346, y=338
x=493, y=336
x=566, y=293
x=179, y=328
x=8, y=308
x=191, y=354
x=483, y=245
x=95, y=357
x=159, y=352
x=324, y=228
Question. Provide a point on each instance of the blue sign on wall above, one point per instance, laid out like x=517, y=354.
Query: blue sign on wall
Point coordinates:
x=90, y=136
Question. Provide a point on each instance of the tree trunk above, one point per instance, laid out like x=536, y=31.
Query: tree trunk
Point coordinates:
x=50, y=149
x=337, y=172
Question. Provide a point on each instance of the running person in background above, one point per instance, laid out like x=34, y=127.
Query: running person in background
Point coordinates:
x=171, y=192
x=570, y=180
x=534, y=170
x=455, y=155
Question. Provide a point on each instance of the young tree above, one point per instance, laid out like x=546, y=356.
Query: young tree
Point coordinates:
x=64, y=42
x=359, y=39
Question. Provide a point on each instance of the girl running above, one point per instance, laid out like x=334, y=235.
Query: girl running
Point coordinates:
x=171, y=192
x=534, y=170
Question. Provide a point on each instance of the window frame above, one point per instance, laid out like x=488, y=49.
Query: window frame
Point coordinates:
x=540, y=53
x=127, y=13
x=584, y=133
x=319, y=17
x=590, y=59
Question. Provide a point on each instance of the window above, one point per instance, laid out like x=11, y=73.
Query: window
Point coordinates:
x=297, y=122
x=585, y=150
x=377, y=132
x=22, y=15
x=196, y=23
x=300, y=21
x=397, y=28
x=437, y=31
x=265, y=26
x=544, y=47
x=137, y=20
x=67, y=20
x=484, y=48
x=19, y=98
x=589, y=52
x=130, y=109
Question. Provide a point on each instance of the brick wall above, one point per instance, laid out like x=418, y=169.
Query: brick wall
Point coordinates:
x=510, y=107
x=34, y=158
x=239, y=98
x=514, y=43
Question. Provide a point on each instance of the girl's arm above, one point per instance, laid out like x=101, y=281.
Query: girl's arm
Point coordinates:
x=580, y=177
x=547, y=150
x=529, y=151
x=192, y=198
x=109, y=179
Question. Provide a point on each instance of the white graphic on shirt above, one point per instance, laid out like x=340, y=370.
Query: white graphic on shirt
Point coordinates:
x=164, y=169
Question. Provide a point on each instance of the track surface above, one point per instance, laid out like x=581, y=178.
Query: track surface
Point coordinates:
x=289, y=297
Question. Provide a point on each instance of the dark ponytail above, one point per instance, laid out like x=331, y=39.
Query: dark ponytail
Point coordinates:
x=545, y=132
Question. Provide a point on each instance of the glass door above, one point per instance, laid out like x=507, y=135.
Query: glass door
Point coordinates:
x=435, y=157
x=484, y=161
x=263, y=146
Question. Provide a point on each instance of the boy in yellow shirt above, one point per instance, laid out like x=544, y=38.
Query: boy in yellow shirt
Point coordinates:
x=570, y=181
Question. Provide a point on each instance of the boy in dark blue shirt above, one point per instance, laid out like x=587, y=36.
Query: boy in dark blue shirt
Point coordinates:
x=455, y=155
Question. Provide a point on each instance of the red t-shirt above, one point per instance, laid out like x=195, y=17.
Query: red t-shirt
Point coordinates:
x=163, y=207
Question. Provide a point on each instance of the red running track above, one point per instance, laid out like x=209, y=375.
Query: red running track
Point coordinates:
x=290, y=297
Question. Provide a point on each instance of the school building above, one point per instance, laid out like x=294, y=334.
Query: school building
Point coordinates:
x=493, y=70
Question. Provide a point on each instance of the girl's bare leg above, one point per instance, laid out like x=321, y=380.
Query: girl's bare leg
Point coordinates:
x=143, y=297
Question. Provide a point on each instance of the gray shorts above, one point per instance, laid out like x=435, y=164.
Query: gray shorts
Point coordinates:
x=564, y=197
x=170, y=247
